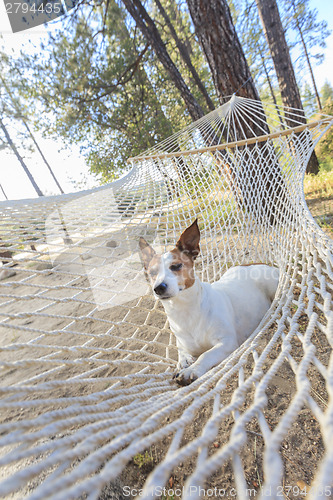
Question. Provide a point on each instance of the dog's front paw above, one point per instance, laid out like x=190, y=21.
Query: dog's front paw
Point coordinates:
x=185, y=376
x=184, y=362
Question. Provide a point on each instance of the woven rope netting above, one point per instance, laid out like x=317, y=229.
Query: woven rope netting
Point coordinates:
x=86, y=353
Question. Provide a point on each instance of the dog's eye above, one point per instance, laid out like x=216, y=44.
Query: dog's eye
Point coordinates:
x=176, y=267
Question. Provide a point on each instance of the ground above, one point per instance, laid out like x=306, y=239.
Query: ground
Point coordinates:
x=302, y=448
x=319, y=196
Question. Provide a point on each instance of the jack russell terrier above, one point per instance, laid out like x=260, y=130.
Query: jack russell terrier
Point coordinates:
x=209, y=320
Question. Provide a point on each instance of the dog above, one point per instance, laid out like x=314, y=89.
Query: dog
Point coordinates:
x=209, y=320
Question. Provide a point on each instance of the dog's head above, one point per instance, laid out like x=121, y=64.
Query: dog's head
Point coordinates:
x=171, y=272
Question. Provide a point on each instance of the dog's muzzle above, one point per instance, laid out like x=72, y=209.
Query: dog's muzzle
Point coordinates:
x=161, y=289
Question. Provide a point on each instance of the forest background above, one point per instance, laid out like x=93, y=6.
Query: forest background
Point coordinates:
x=81, y=96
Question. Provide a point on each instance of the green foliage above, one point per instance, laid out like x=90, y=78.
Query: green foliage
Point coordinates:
x=12, y=108
x=100, y=86
x=303, y=20
x=309, y=35
x=308, y=100
x=326, y=93
x=252, y=38
x=324, y=149
x=320, y=186
x=143, y=459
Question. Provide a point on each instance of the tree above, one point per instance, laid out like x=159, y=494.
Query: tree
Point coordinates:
x=3, y=192
x=326, y=92
x=256, y=50
x=271, y=21
x=273, y=29
x=19, y=157
x=152, y=35
x=217, y=35
x=311, y=34
x=219, y=41
x=325, y=147
x=309, y=100
x=93, y=87
x=185, y=56
x=13, y=109
x=33, y=138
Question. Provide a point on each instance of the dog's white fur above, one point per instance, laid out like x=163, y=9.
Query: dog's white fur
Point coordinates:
x=210, y=320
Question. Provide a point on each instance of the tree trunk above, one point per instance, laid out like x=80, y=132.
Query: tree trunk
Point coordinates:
x=17, y=108
x=257, y=182
x=219, y=41
x=150, y=32
x=3, y=192
x=273, y=29
x=311, y=72
x=20, y=159
x=186, y=56
x=307, y=59
x=42, y=155
x=268, y=78
x=218, y=38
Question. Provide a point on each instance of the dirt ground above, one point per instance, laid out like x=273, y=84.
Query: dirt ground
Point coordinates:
x=302, y=448
x=322, y=212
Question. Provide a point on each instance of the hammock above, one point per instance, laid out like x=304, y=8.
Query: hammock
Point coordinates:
x=88, y=405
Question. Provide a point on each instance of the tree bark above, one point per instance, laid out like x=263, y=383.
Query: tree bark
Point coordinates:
x=20, y=159
x=273, y=29
x=186, y=56
x=150, y=32
x=218, y=38
x=257, y=181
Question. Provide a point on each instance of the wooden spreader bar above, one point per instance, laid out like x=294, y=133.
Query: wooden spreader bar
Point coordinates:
x=218, y=147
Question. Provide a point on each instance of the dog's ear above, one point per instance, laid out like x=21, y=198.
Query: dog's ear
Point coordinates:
x=147, y=252
x=189, y=240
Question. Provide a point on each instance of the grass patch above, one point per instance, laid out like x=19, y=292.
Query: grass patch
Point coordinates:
x=321, y=185
x=143, y=459
x=318, y=191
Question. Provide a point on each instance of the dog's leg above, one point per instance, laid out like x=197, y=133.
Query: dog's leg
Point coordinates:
x=205, y=362
x=184, y=359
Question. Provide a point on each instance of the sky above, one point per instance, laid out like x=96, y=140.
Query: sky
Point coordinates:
x=66, y=161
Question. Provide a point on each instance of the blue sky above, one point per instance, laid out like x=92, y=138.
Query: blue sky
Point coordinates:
x=67, y=162
x=324, y=72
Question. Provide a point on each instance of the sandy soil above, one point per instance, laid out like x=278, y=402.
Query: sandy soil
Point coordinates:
x=322, y=211
x=55, y=308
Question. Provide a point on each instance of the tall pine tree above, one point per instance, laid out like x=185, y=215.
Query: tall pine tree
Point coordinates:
x=274, y=32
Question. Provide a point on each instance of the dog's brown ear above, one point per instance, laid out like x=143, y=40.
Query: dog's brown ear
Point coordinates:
x=147, y=252
x=189, y=240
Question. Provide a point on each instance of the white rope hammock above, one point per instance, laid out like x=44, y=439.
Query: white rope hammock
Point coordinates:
x=86, y=354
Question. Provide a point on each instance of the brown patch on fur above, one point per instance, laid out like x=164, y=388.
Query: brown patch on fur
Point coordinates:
x=186, y=251
x=186, y=273
x=189, y=240
x=154, y=265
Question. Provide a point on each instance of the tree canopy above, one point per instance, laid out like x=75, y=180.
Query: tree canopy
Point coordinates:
x=120, y=76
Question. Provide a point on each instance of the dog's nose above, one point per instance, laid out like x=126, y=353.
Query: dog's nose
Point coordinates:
x=160, y=289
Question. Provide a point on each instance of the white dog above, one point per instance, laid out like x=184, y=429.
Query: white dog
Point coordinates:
x=209, y=320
